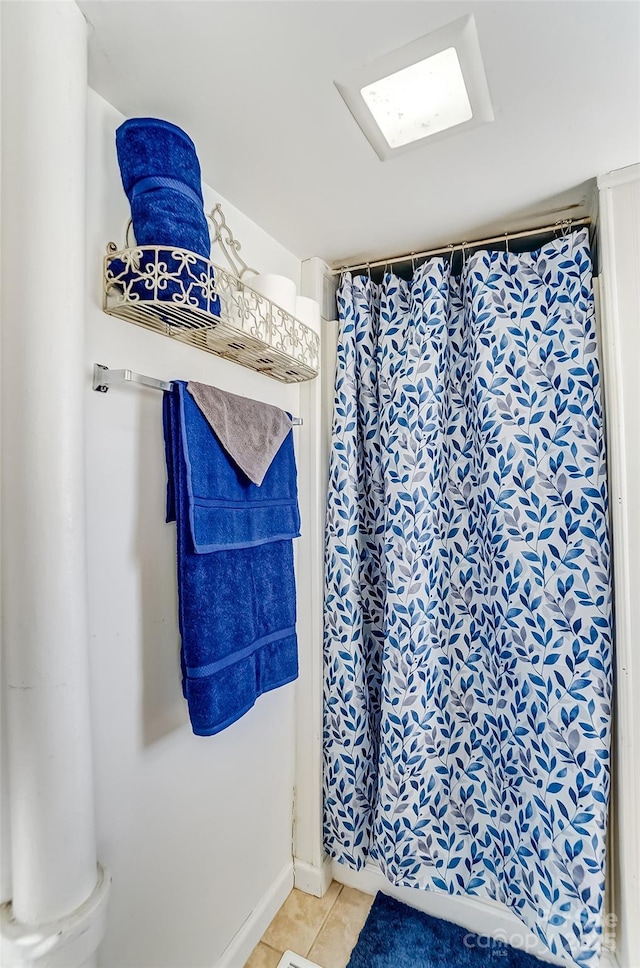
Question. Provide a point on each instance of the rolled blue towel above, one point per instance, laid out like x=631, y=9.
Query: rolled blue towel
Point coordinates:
x=161, y=177
x=237, y=604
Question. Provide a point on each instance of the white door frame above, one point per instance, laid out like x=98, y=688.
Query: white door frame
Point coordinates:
x=619, y=220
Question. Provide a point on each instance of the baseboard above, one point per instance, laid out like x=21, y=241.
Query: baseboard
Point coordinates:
x=482, y=916
x=244, y=941
x=311, y=879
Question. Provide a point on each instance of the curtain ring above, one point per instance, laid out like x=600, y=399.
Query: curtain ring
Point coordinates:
x=413, y=263
x=506, y=242
x=565, y=226
x=369, y=271
x=463, y=248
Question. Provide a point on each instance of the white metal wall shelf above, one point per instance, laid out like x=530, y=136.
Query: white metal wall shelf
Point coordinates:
x=187, y=297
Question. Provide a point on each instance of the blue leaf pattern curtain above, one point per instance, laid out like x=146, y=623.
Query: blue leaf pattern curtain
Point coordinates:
x=467, y=605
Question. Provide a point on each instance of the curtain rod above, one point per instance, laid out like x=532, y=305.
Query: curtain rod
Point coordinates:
x=460, y=246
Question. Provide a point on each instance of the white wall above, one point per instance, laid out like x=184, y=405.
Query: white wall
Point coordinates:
x=194, y=830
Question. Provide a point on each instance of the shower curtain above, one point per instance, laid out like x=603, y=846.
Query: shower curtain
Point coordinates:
x=467, y=600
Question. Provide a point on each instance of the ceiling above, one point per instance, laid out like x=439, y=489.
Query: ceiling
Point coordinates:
x=252, y=83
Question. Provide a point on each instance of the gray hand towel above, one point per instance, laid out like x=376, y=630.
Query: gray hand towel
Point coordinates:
x=251, y=432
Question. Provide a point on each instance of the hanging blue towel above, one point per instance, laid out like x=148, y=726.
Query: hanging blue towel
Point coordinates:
x=161, y=177
x=236, y=585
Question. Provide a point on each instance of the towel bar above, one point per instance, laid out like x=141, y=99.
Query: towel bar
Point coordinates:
x=103, y=378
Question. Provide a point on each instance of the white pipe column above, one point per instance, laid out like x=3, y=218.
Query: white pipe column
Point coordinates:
x=44, y=628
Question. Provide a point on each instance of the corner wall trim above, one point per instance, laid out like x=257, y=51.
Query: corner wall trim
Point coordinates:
x=244, y=941
x=307, y=840
x=621, y=176
x=311, y=879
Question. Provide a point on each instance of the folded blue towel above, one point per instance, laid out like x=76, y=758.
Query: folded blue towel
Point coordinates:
x=236, y=585
x=161, y=177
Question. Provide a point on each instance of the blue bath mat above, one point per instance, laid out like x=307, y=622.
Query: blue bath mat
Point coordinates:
x=398, y=936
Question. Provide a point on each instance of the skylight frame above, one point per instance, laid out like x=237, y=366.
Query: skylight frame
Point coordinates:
x=462, y=35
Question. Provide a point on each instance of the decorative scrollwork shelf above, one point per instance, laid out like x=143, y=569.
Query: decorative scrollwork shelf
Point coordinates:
x=189, y=298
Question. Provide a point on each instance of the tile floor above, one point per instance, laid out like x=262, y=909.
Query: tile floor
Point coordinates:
x=322, y=929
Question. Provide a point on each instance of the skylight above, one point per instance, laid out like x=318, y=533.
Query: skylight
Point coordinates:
x=429, y=89
x=419, y=100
